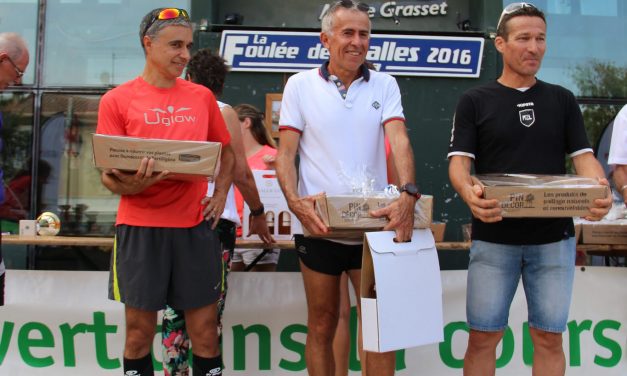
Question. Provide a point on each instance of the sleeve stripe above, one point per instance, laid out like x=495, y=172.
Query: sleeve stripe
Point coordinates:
x=393, y=119
x=289, y=128
x=461, y=153
x=579, y=152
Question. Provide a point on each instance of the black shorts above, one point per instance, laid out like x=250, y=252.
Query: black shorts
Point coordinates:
x=155, y=266
x=328, y=257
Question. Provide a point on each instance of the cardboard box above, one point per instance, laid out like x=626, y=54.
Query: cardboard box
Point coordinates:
x=348, y=216
x=542, y=195
x=606, y=232
x=28, y=227
x=184, y=159
x=437, y=229
x=282, y=223
x=401, y=292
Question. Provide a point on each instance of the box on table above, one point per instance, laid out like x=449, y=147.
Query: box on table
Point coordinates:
x=401, y=292
x=28, y=227
x=348, y=216
x=184, y=159
x=524, y=195
x=437, y=229
x=604, y=232
x=282, y=223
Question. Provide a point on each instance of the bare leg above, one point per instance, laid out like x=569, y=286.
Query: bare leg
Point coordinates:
x=140, y=331
x=480, y=358
x=322, y=292
x=342, y=340
x=548, y=354
x=202, y=326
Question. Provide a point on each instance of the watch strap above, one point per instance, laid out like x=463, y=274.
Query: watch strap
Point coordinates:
x=257, y=212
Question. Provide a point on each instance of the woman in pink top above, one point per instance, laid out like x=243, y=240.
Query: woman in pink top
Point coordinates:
x=260, y=151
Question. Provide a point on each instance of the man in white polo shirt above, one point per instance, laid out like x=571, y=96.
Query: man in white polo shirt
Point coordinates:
x=336, y=118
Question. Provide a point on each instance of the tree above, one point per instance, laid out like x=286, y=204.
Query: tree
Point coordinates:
x=602, y=80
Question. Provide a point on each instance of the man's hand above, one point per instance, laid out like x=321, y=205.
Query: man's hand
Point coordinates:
x=214, y=206
x=487, y=211
x=130, y=183
x=400, y=214
x=259, y=226
x=601, y=205
x=303, y=208
x=470, y=190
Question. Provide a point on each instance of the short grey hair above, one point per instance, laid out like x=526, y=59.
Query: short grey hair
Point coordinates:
x=13, y=44
x=158, y=25
x=327, y=17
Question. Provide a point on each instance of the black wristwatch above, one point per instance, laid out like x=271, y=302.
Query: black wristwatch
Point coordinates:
x=257, y=212
x=411, y=189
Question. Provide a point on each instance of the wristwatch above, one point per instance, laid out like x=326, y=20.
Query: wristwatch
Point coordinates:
x=411, y=189
x=257, y=212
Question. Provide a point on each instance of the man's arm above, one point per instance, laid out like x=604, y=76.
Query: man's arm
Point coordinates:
x=587, y=165
x=620, y=180
x=243, y=177
x=130, y=183
x=215, y=205
x=401, y=212
x=470, y=190
x=302, y=207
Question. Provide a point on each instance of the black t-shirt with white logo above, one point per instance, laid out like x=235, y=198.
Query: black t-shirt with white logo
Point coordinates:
x=507, y=130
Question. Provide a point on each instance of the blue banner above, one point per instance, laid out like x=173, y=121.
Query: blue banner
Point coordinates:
x=401, y=55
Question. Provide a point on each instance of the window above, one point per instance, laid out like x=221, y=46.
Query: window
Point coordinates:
x=581, y=35
x=21, y=17
x=94, y=43
x=17, y=134
x=72, y=187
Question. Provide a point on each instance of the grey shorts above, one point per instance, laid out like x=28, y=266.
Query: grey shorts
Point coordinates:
x=155, y=266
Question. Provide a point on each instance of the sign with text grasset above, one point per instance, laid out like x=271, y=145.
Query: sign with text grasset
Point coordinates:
x=401, y=55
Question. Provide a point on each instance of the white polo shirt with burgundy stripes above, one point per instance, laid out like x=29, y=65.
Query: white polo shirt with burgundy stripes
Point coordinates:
x=341, y=138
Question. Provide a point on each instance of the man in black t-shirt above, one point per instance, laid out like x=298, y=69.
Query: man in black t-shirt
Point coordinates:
x=519, y=124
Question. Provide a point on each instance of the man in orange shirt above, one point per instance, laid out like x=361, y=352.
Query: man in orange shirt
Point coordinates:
x=164, y=247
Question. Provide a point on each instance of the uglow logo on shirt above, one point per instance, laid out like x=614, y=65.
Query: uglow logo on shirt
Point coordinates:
x=168, y=117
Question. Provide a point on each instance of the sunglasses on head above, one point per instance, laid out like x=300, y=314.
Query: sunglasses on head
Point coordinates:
x=353, y=4
x=511, y=8
x=166, y=14
x=18, y=71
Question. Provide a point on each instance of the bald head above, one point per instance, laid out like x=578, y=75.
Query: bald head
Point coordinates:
x=14, y=59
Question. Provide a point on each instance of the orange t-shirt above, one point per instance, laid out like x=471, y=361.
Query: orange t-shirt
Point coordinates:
x=185, y=111
x=255, y=162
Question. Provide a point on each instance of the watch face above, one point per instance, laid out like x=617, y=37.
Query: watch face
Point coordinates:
x=410, y=188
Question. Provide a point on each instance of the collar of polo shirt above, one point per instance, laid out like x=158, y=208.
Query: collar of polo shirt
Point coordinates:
x=363, y=71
